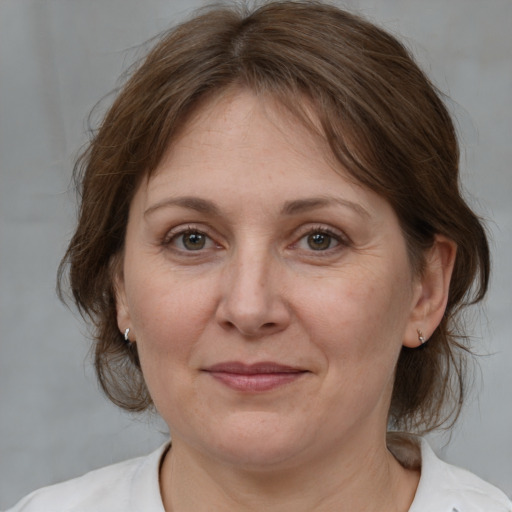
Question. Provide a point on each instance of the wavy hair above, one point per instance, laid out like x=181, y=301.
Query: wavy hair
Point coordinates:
x=383, y=120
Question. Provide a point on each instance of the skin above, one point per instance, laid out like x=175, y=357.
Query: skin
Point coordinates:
x=278, y=257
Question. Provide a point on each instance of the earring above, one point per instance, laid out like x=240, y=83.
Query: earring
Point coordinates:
x=126, y=332
x=421, y=338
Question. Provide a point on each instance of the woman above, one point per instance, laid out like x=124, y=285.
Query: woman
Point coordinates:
x=273, y=250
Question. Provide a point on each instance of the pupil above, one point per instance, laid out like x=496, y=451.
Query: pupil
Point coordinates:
x=194, y=241
x=319, y=241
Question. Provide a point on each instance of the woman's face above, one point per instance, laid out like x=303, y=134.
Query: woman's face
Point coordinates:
x=269, y=295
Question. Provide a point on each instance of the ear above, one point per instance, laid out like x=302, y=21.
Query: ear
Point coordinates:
x=122, y=311
x=431, y=291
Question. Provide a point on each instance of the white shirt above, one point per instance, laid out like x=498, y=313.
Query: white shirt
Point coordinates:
x=133, y=486
x=447, y=488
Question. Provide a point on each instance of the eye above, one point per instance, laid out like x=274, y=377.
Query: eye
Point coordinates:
x=320, y=239
x=190, y=240
x=193, y=241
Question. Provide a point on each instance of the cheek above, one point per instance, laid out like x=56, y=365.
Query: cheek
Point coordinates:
x=168, y=311
x=362, y=303
x=358, y=325
x=169, y=316
x=358, y=319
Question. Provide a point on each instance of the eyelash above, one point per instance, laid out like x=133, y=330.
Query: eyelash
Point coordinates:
x=341, y=240
x=175, y=235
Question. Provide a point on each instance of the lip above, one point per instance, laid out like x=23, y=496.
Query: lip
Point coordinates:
x=257, y=377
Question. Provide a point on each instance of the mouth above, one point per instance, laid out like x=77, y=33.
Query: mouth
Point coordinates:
x=258, y=377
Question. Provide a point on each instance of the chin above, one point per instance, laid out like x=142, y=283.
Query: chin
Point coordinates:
x=257, y=441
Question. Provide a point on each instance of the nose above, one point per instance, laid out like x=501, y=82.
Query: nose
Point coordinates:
x=253, y=301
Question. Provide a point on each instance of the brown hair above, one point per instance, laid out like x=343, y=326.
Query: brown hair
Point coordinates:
x=383, y=120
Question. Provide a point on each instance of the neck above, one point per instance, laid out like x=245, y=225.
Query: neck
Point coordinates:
x=356, y=478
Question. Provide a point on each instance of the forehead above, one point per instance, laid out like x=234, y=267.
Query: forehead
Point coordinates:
x=249, y=134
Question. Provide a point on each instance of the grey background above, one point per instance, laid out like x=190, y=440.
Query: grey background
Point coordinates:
x=57, y=58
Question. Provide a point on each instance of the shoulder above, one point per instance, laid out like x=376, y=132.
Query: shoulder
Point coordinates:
x=114, y=488
x=444, y=487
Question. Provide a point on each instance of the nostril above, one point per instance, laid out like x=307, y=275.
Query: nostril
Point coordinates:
x=252, y=318
x=228, y=324
x=251, y=331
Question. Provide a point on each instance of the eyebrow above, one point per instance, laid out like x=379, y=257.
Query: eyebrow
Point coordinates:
x=294, y=207
x=298, y=206
x=190, y=202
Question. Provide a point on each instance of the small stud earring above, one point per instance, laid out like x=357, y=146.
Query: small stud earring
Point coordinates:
x=421, y=338
x=126, y=332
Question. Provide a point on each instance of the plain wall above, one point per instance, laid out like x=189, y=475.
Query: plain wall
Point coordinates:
x=57, y=59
